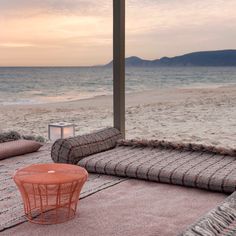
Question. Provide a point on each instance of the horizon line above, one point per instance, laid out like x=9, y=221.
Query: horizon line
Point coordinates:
x=102, y=65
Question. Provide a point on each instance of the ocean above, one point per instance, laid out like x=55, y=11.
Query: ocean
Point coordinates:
x=35, y=85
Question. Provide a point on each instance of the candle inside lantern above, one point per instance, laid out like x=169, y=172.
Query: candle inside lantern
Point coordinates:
x=60, y=131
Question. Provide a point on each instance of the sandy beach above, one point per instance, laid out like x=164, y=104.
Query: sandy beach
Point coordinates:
x=199, y=115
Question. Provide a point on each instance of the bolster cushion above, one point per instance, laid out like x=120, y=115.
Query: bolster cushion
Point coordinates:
x=72, y=150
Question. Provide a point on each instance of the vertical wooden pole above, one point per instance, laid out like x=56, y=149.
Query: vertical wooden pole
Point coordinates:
x=119, y=65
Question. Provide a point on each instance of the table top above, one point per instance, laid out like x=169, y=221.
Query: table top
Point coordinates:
x=52, y=173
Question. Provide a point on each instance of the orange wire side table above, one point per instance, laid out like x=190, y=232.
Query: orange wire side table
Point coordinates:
x=50, y=192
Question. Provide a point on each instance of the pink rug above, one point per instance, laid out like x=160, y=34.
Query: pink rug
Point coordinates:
x=130, y=208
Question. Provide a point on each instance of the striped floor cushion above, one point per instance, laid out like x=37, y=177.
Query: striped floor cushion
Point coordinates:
x=189, y=168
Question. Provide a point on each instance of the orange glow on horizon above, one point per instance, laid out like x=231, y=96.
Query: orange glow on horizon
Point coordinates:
x=79, y=32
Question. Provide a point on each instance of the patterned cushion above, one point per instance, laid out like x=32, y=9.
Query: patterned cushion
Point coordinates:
x=71, y=150
x=18, y=147
x=189, y=168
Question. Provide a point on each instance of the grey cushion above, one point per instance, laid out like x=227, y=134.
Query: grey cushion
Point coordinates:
x=9, y=136
x=71, y=150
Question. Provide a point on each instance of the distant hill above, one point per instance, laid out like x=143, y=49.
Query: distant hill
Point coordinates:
x=204, y=58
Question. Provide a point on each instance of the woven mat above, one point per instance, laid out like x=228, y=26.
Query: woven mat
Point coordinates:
x=11, y=207
x=187, y=168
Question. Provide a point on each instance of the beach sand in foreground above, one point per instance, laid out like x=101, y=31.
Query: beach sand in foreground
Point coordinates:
x=199, y=115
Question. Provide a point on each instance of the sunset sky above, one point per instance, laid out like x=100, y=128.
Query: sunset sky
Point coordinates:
x=79, y=32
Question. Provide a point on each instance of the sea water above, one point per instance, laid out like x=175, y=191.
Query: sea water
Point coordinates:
x=31, y=85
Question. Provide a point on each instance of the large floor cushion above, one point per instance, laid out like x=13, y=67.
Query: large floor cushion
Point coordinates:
x=18, y=147
x=189, y=168
x=71, y=150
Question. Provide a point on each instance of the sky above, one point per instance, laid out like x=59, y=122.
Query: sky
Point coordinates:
x=79, y=32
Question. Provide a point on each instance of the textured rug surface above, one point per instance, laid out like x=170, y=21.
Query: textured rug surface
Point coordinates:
x=188, y=168
x=11, y=207
x=219, y=221
x=131, y=208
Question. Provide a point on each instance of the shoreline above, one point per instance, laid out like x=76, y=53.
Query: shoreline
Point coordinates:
x=199, y=115
x=68, y=99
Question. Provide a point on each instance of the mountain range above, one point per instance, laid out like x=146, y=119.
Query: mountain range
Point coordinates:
x=203, y=58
